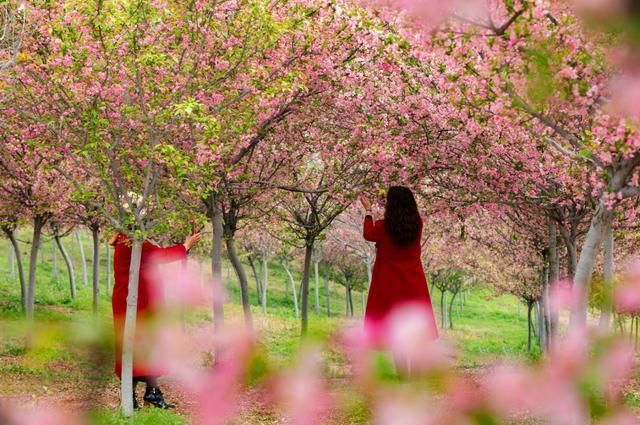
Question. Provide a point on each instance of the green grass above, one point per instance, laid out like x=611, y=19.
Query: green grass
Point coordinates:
x=65, y=352
x=143, y=417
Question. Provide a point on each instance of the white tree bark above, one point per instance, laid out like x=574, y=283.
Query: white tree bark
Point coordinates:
x=126, y=382
x=83, y=259
x=586, y=263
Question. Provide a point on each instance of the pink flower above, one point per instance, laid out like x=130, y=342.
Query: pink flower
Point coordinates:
x=411, y=337
x=302, y=390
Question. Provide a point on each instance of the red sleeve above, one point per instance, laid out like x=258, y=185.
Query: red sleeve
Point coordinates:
x=164, y=255
x=371, y=231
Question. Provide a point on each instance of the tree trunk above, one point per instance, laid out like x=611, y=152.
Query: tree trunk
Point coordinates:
x=327, y=295
x=265, y=284
x=529, y=324
x=542, y=303
x=15, y=247
x=305, y=286
x=126, y=382
x=608, y=270
x=12, y=262
x=350, y=298
x=54, y=260
x=584, y=270
x=453, y=298
x=38, y=224
x=242, y=278
x=293, y=289
x=108, y=267
x=256, y=277
x=442, y=309
x=83, y=259
x=215, y=215
x=95, y=234
x=317, y=278
x=554, y=275
x=69, y=263
x=542, y=341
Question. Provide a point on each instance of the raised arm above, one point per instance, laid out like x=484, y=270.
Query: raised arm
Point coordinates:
x=164, y=255
x=171, y=253
x=371, y=230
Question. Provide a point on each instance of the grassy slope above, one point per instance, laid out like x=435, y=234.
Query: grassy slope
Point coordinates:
x=488, y=327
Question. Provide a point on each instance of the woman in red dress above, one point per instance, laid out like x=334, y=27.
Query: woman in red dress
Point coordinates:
x=148, y=301
x=398, y=277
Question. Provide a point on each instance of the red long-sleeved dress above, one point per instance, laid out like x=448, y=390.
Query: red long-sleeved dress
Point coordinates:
x=398, y=277
x=149, y=295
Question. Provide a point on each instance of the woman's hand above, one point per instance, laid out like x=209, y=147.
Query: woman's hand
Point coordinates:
x=192, y=240
x=366, y=204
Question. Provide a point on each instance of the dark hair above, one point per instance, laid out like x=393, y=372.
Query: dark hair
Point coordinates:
x=401, y=217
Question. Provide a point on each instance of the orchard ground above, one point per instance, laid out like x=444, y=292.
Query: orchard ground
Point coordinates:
x=55, y=370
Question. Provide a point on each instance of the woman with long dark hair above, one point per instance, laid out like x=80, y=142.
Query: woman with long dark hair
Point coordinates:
x=398, y=277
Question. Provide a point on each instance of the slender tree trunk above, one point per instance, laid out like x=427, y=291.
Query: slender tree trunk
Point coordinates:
x=54, y=260
x=541, y=327
x=69, y=264
x=126, y=382
x=242, y=278
x=346, y=299
x=305, y=286
x=38, y=224
x=442, y=309
x=15, y=247
x=12, y=262
x=83, y=259
x=350, y=300
x=529, y=324
x=453, y=298
x=327, y=295
x=608, y=270
x=542, y=302
x=215, y=215
x=554, y=275
x=584, y=270
x=293, y=289
x=265, y=284
x=256, y=277
x=95, y=234
x=109, y=271
x=317, y=279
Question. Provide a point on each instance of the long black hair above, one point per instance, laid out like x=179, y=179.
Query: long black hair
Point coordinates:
x=401, y=217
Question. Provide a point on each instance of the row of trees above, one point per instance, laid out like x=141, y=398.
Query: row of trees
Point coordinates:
x=250, y=112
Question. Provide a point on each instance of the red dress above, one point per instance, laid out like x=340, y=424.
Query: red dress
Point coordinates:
x=398, y=277
x=149, y=296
